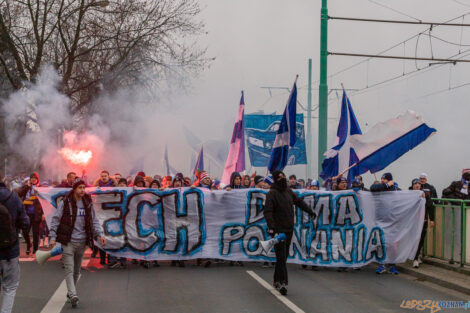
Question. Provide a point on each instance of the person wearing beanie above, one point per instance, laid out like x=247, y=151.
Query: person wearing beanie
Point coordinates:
x=426, y=187
x=313, y=185
x=33, y=209
x=204, y=181
x=259, y=182
x=155, y=184
x=429, y=214
x=342, y=183
x=459, y=189
x=269, y=181
x=139, y=181
x=122, y=182
x=279, y=212
x=75, y=225
x=386, y=184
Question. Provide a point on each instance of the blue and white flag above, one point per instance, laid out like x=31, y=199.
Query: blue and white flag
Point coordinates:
x=342, y=155
x=286, y=136
x=383, y=144
x=386, y=142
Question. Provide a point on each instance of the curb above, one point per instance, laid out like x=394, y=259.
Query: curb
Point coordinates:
x=447, y=266
x=433, y=279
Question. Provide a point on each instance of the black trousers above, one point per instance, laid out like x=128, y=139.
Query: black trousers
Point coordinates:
x=421, y=240
x=35, y=226
x=282, y=251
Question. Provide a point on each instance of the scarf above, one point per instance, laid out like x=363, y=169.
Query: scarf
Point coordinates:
x=465, y=184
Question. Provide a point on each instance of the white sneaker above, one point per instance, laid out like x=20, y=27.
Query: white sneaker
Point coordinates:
x=415, y=264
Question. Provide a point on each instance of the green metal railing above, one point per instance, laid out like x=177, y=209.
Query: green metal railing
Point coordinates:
x=443, y=235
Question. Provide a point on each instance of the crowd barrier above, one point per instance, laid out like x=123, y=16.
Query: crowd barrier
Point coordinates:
x=447, y=240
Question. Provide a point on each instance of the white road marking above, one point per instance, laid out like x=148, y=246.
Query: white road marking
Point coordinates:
x=58, y=299
x=276, y=293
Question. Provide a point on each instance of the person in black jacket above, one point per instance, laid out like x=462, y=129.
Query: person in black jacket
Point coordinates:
x=429, y=213
x=279, y=211
x=426, y=187
x=33, y=209
x=386, y=184
x=459, y=189
x=9, y=256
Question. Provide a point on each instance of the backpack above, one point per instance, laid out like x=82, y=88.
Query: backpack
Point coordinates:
x=7, y=235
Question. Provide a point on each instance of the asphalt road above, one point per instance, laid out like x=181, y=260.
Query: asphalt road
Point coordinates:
x=221, y=288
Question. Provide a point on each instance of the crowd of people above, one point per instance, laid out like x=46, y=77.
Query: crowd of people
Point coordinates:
x=19, y=198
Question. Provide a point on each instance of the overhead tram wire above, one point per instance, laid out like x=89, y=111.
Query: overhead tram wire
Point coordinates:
x=433, y=24
x=407, y=75
x=392, y=47
x=394, y=10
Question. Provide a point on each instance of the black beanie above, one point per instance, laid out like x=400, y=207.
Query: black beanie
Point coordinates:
x=258, y=179
x=387, y=176
x=77, y=183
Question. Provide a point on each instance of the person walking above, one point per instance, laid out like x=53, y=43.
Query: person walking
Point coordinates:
x=12, y=216
x=279, y=212
x=75, y=225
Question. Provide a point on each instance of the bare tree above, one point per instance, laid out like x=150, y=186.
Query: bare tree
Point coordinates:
x=98, y=43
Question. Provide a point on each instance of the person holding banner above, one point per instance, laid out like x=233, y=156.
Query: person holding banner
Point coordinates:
x=386, y=184
x=279, y=211
x=75, y=225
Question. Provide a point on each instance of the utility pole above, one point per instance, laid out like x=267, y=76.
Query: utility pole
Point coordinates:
x=309, y=121
x=323, y=87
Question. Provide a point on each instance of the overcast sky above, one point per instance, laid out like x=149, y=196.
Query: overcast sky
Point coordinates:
x=267, y=42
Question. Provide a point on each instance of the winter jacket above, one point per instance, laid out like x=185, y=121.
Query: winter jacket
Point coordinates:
x=384, y=187
x=279, y=209
x=23, y=193
x=429, y=213
x=429, y=189
x=453, y=191
x=19, y=220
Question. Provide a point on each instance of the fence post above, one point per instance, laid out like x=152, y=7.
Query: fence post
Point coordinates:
x=452, y=238
x=463, y=230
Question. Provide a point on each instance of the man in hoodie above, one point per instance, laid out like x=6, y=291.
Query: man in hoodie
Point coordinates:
x=33, y=209
x=9, y=255
x=386, y=184
x=75, y=225
x=235, y=182
x=279, y=212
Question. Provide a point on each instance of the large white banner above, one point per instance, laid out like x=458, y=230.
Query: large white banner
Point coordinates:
x=351, y=229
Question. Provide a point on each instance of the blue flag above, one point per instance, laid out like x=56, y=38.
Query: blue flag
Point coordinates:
x=342, y=155
x=285, y=137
